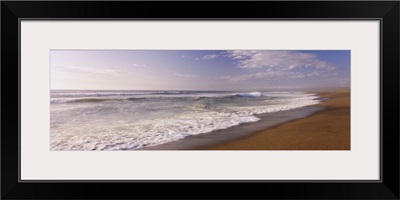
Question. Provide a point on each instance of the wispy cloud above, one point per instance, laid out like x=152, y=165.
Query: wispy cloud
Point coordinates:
x=185, y=75
x=138, y=65
x=251, y=76
x=273, y=75
x=210, y=57
x=185, y=56
x=272, y=59
x=206, y=57
x=277, y=64
x=108, y=72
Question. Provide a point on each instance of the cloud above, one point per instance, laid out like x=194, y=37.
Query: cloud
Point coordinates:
x=261, y=75
x=185, y=56
x=277, y=65
x=206, y=57
x=185, y=75
x=250, y=76
x=138, y=65
x=273, y=75
x=277, y=59
x=108, y=72
x=210, y=57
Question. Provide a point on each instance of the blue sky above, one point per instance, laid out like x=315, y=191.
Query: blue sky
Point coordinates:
x=199, y=69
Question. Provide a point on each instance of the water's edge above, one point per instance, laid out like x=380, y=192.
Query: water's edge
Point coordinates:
x=267, y=120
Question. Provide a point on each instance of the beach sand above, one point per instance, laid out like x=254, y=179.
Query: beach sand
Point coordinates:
x=325, y=130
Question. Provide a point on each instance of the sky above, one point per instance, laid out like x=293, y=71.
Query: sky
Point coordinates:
x=199, y=69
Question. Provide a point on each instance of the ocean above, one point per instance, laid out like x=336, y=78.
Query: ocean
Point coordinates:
x=129, y=120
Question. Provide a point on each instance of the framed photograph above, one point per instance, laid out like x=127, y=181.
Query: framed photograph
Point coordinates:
x=177, y=96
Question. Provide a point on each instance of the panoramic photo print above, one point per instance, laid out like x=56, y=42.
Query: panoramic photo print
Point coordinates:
x=103, y=100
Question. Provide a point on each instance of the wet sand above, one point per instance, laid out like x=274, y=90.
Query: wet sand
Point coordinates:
x=266, y=121
x=324, y=130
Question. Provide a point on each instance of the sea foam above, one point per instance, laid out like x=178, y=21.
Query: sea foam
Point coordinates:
x=129, y=125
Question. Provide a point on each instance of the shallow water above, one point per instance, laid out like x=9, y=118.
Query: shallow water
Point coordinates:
x=127, y=120
x=266, y=121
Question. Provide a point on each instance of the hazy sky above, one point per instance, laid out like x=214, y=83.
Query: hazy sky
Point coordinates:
x=199, y=69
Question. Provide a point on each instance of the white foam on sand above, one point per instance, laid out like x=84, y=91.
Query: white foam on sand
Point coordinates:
x=126, y=134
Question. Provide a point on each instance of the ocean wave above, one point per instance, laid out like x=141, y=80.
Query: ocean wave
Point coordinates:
x=125, y=132
x=89, y=99
x=81, y=100
x=250, y=94
x=104, y=94
x=130, y=136
x=218, y=97
x=94, y=100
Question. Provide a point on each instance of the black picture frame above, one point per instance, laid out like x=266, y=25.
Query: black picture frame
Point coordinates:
x=385, y=11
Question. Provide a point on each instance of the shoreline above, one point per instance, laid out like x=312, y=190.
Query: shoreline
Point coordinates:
x=267, y=121
x=328, y=129
x=228, y=139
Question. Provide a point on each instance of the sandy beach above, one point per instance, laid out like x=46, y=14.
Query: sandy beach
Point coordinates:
x=202, y=99
x=325, y=130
